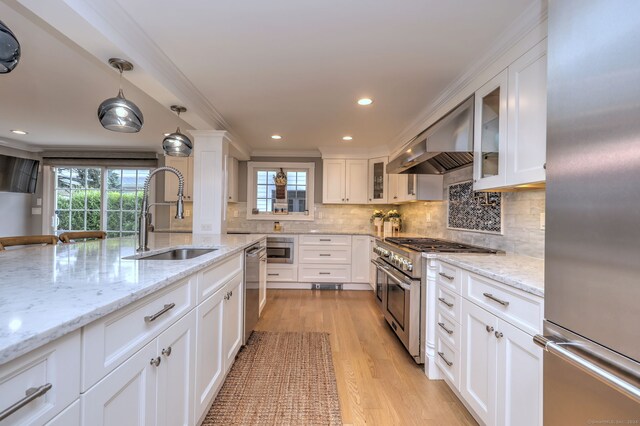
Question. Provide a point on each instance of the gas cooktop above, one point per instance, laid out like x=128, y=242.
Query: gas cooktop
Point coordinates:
x=433, y=245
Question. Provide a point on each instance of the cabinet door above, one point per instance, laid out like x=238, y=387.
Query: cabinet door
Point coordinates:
x=209, y=358
x=233, y=321
x=232, y=179
x=176, y=347
x=527, y=117
x=478, y=380
x=356, y=181
x=378, y=180
x=394, y=196
x=402, y=188
x=519, y=376
x=360, y=249
x=490, y=134
x=333, y=181
x=184, y=166
x=127, y=396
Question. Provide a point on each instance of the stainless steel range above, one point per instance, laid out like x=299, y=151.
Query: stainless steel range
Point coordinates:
x=400, y=285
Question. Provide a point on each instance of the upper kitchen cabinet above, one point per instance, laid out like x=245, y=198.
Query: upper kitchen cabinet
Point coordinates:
x=511, y=124
x=527, y=117
x=490, y=134
x=232, y=180
x=344, y=181
x=378, y=180
x=184, y=166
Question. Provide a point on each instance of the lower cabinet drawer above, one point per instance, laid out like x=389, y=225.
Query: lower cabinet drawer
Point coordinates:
x=282, y=274
x=325, y=240
x=69, y=417
x=325, y=254
x=52, y=372
x=448, y=359
x=449, y=330
x=214, y=277
x=111, y=340
x=324, y=273
x=448, y=303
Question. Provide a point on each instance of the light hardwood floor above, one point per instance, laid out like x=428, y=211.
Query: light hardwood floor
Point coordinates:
x=378, y=382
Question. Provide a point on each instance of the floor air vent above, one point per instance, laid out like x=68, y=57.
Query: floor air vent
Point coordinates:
x=323, y=286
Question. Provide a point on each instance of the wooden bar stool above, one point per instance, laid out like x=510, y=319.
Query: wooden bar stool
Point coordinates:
x=27, y=240
x=67, y=237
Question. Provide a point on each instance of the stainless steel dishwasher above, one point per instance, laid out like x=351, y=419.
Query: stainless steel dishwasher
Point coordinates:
x=255, y=260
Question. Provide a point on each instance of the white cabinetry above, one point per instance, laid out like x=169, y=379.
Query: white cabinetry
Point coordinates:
x=325, y=258
x=184, y=166
x=510, y=124
x=233, y=320
x=360, y=258
x=232, y=179
x=484, y=346
x=378, y=180
x=345, y=181
x=54, y=370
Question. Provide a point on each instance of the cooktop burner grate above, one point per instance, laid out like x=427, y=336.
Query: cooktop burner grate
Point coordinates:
x=433, y=245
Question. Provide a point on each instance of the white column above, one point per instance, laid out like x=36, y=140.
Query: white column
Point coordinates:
x=210, y=152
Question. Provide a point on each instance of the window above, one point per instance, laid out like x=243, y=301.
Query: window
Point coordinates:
x=261, y=194
x=94, y=198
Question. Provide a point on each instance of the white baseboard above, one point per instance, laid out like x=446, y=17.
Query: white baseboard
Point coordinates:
x=307, y=286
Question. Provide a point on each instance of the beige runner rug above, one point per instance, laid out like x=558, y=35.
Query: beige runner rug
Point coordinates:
x=280, y=379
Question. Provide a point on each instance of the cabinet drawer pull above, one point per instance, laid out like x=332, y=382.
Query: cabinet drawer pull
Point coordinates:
x=499, y=335
x=274, y=275
x=442, y=326
x=449, y=277
x=155, y=361
x=325, y=239
x=495, y=299
x=443, y=300
x=449, y=363
x=167, y=308
x=167, y=352
x=489, y=328
x=31, y=394
x=324, y=273
x=324, y=254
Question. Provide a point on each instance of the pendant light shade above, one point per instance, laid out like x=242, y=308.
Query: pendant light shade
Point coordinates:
x=119, y=114
x=177, y=144
x=9, y=50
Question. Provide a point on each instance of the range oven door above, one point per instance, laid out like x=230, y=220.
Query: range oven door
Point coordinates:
x=402, y=310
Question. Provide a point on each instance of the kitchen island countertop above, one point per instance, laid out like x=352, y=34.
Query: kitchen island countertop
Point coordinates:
x=522, y=272
x=47, y=292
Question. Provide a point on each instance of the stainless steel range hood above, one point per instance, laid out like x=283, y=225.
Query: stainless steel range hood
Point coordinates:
x=445, y=146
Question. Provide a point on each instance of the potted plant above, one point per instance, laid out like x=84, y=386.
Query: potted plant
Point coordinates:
x=393, y=216
x=377, y=218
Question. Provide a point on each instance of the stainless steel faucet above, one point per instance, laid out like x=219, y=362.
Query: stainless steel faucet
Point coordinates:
x=145, y=216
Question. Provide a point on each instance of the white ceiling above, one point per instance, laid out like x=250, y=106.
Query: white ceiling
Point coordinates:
x=55, y=90
x=290, y=67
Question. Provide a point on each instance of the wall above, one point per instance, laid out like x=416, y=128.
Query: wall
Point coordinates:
x=520, y=220
x=15, y=208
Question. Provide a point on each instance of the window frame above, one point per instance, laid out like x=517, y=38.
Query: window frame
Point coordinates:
x=254, y=166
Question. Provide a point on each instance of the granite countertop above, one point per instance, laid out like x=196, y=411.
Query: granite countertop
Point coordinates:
x=47, y=292
x=522, y=272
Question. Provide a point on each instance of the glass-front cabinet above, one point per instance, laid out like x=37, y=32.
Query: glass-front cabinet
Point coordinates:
x=490, y=134
x=378, y=180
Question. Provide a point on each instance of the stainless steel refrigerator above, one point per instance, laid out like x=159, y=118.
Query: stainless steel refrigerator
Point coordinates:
x=592, y=259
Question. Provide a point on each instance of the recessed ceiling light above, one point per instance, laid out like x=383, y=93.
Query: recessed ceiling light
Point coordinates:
x=19, y=132
x=347, y=138
x=365, y=101
x=276, y=137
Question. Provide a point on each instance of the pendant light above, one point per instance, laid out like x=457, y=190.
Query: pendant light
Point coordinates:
x=177, y=144
x=9, y=50
x=119, y=114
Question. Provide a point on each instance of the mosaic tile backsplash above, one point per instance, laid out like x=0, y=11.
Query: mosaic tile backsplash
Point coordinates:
x=474, y=211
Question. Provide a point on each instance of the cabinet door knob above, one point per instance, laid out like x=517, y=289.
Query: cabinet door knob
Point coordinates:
x=167, y=352
x=155, y=361
x=489, y=329
x=498, y=334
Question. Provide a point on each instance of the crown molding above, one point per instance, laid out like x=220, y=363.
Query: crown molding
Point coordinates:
x=532, y=17
x=22, y=146
x=353, y=152
x=285, y=153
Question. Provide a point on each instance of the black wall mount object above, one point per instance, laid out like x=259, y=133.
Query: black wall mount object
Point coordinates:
x=9, y=50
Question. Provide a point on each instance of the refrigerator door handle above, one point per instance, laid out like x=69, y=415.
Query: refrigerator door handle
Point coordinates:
x=595, y=366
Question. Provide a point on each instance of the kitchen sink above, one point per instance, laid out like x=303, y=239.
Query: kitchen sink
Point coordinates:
x=175, y=254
